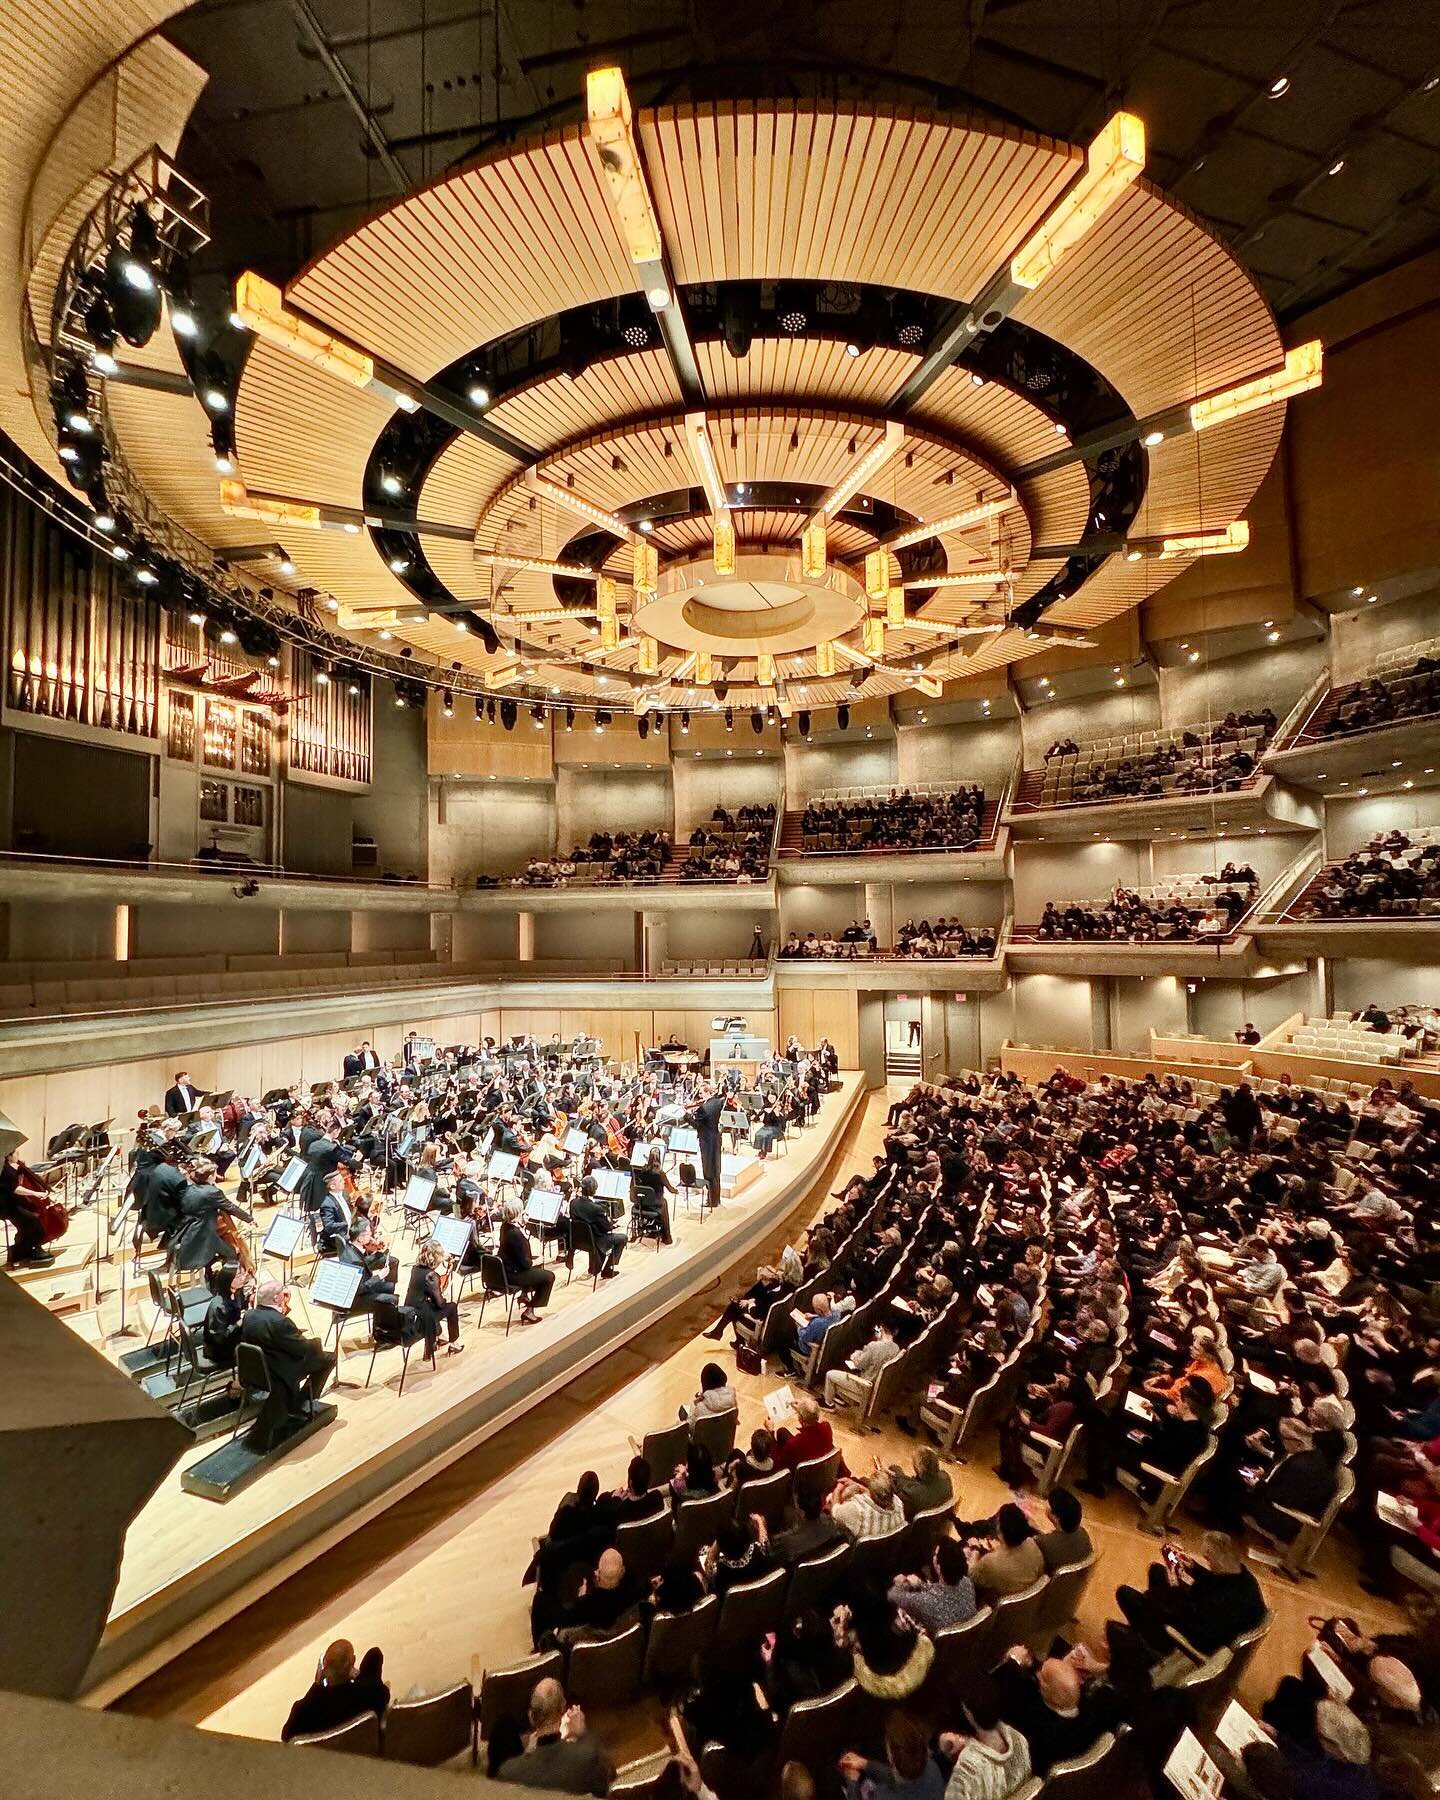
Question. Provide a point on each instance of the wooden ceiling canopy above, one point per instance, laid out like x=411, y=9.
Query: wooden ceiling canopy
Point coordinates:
x=745, y=192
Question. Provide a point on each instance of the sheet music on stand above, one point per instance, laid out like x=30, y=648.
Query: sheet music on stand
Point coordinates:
x=422, y=1050
x=452, y=1236
x=335, y=1284
x=419, y=1191
x=283, y=1235
x=734, y=1121
x=640, y=1155
x=543, y=1206
x=575, y=1142
x=612, y=1184
x=683, y=1141
x=503, y=1164
x=206, y=1143
x=292, y=1175
x=252, y=1159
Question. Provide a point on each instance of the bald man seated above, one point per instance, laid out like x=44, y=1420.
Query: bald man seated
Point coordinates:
x=560, y=1755
x=1049, y=1706
x=340, y=1692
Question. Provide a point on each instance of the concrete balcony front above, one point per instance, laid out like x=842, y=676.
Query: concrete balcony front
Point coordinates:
x=1231, y=960
x=848, y=868
x=621, y=896
x=1382, y=760
x=893, y=974
x=1401, y=940
x=1266, y=804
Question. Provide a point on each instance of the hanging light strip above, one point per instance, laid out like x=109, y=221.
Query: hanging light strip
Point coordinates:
x=1304, y=369
x=1228, y=542
x=577, y=503
x=872, y=460
x=1115, y=159
x=538, y=565
x=967, y=578
x=260, y=307
x=722, y=549
x=702, y=457
x=608, y=114
x=956, y=521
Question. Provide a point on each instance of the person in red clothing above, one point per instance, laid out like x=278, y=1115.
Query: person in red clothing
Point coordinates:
x=813, y=1438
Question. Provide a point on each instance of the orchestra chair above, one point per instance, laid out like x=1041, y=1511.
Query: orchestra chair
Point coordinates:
x=926, y=1530
x=1206, y=1685
x=361, y=1737
x=749, y=1610
x=676, y=1639
x=716, y=1431
x=769, y=1496
x=728, y=1776
x=193, y=1377
x=817, y=1476
x=645, y=1544
x=394, y=1327
x=698, y=1521
x=505, y=1693
x=495, y=1285
x=690, y=1186
x=814, y=1581
x=431, y=1731
x=605, y=1672
x=1096, y=1774
x=1156, y=1514
x=1296, y=1557
x=1049, y=1457
x=583, y=1238
x=877, y=1558
x=252, y=1372
x=665, y=1448
x=640, y=1779
x=646, y=1225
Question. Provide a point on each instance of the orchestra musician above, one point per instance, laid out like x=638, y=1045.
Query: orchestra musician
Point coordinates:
x=22, y=1200
x=183, y=1097
x=361, y=1061
x=704, y=1119
x=205, y=1230
x=606, y=1246
x=378, y=1270
x=651, y=1185
x=298, y=1366
x=521, y=1269
x=426, y=1293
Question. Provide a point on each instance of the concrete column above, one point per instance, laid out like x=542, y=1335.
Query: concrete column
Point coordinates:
x=442, y=936
x=880, y=910
x=525, y=937
x=652, y=941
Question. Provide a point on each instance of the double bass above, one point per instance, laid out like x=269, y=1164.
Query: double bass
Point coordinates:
x=52, y=1214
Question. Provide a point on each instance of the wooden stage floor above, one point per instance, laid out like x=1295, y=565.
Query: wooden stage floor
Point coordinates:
x=191, y=1563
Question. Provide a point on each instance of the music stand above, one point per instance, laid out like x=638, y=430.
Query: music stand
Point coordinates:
x=282, y=1240
x=292, y=1175
x=251, y=1159
x=273, y=1096
x=334, y=1286
x=613, y=1184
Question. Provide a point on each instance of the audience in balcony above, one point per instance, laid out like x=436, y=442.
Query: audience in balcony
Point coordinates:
x=1386, y=700
x=743, y=857
x=614, y=856
x=1199, y=759
x=898, y=821
x=1154, y=916
x=915, y=939
x=1393, y=876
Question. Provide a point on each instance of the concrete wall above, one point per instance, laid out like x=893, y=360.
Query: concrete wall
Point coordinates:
x=804, y=909
x=972, y=902
x=318, y=830
x=394, y=810
x=1140, y=1003
x=73, y=799
x=1196, y=692
x=157, y=930
x=1218, y=1009
x=983, y=752
x=625, y=799
x=715, y=934
x=1054, y=1011
x=1358, y=637
x=488, y=828
x=701, y=783
x=1073, y=871
x=598, y=936
x=483, y=937
x=40, y=931
x=1086, y=716
x=302, y=931
x=861, y=762
x=1267, y=855
x=1351, y=823
x=1356, y=982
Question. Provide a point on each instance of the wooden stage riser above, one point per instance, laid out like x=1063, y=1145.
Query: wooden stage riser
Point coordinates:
x=231, y=1572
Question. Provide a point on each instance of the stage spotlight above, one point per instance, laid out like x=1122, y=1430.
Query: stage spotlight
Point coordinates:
x=447, y=703
x=802, y=720
x=729, y=718
x=722, y=688
x=685, y=721
x=757, y=721
x=509, y=712
x=486, y=633
x=737, y=317
x=176, y=283
x=858, y=677
x=602, y=719
x=130, y=284
x=490, y=711
x=842, y=717
x=569, y=718
x=537, y=713
x=479, y=709
x=100, y=329
x=642, y=725
x=792, y=309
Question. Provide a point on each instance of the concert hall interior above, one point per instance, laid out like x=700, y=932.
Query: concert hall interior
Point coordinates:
x=720, y=899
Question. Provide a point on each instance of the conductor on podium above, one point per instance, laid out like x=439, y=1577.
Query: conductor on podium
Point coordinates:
x=705, y=1119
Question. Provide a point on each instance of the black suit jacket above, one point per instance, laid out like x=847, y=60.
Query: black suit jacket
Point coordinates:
x=353, y=1066
x=181, y=1100
x=289, y=1355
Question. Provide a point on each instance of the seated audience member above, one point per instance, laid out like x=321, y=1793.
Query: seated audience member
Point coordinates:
x=298, y=1366
x=1067, y=1541
x=1209, y=1599
x=1048, y=1705
x=989, y=1759
x=340, y=1692
x=714, y=1397
x=1015, y=1563
x=868, y=1509
x=943, y=1595
x=814, y=1532
x=853, y=1383
x=909, y=1770
x=891, y=1656
x=561, y=1755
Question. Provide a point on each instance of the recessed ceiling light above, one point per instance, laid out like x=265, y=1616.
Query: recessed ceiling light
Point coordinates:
x=478, y=395
x=1336, y=166
x=398, y=565
x=387, y=635
x=1060, y=430
x=286, y=566
x=1280, y=85
x=851, y=350
x=646, y=525
x=1152, y=438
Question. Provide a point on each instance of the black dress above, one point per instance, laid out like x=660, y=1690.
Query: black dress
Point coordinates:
x=431, y=1306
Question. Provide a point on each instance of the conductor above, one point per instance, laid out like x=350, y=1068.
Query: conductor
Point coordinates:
x=705, y=1121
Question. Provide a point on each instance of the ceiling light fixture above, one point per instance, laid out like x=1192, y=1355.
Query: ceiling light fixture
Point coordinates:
x=873, y=459
x=1304, y=369
x=1115, y=158
x=1234, y=538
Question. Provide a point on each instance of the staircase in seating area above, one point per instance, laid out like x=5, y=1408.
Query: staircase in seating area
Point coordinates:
x=792, y=840
x=1028, y=790
x=1315, y=728
x=902, y=1065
